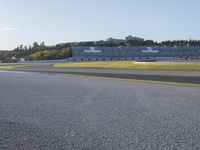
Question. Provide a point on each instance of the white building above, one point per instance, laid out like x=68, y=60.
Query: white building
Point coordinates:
x=116, y=41
x=131, y=38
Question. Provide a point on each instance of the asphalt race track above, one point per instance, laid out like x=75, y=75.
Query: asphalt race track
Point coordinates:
x=39, y=111
x=192, y=77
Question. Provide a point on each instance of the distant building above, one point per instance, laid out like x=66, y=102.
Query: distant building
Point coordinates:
x=101, y=42
x=131, y=38
x=128, y=38
x=109, y=42
x=116, y=41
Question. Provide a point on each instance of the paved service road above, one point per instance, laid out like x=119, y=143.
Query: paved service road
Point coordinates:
x=53, y=112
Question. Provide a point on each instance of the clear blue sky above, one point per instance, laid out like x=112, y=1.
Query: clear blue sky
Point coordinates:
x=57, y=21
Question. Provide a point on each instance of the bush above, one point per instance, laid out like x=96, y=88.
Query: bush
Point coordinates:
x=51, y=54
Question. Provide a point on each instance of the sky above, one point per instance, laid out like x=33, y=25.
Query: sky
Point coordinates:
x=60, y=21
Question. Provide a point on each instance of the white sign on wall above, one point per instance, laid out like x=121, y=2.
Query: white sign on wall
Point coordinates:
x=150, y=50
x=92, y=50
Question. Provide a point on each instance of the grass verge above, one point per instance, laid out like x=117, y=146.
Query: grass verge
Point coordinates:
x=133, y=65
x=10, y=67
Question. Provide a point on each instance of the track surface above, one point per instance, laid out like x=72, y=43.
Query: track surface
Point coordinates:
x=52, y=112
x=152, y=75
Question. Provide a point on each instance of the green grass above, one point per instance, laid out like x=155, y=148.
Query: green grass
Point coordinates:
x=10, y=67
x=120, y=65
x=133, y=65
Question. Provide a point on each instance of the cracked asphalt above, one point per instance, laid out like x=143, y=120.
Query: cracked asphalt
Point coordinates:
x=39, y=111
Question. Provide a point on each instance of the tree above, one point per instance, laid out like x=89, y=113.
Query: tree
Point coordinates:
x=25, y=48
x=21, y=47
x=42, y=45
x=35, y=45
